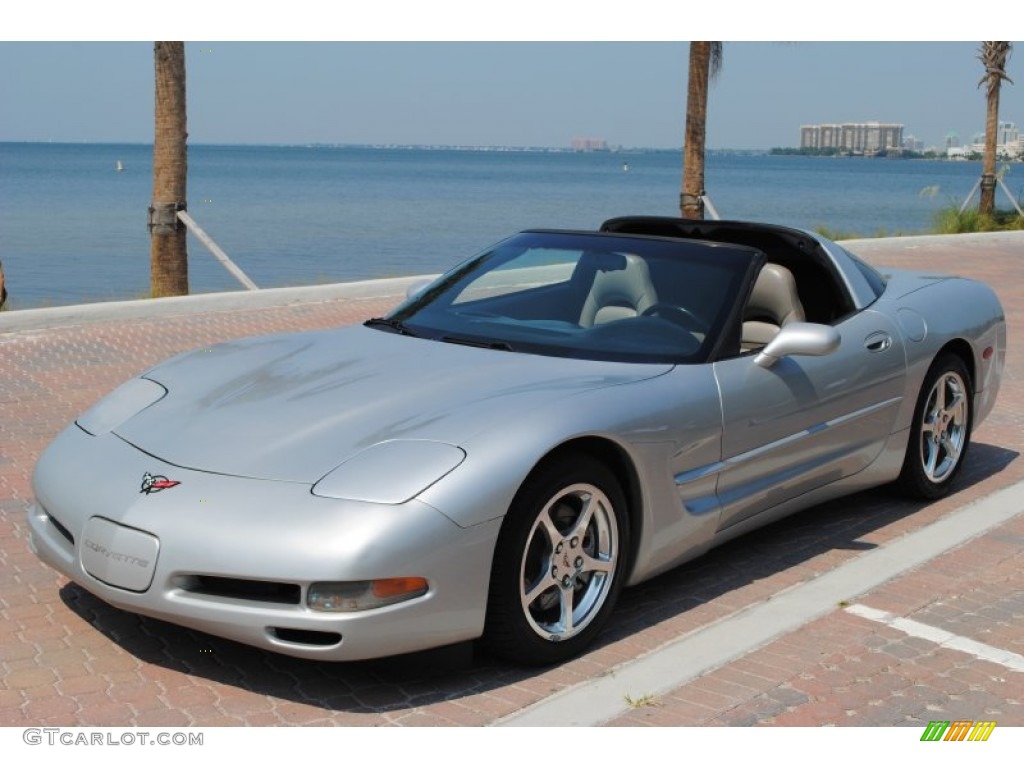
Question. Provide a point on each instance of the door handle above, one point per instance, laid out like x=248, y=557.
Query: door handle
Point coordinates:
x=878, y=342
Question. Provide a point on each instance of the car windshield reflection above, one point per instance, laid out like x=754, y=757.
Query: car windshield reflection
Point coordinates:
x=597, y=297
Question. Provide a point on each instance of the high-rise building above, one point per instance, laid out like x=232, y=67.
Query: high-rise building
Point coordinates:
x=1008, y=140
x=913, y=144
x=858, y=138
x=584, y=144
x=1007, y=134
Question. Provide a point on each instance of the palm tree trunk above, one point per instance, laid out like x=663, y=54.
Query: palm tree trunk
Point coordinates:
x=691, y=204
x=993, y=55
x=987, y=202
x=168, y=254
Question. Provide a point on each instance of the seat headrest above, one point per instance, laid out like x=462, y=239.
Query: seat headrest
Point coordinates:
x=627, y=285
x=775, y=297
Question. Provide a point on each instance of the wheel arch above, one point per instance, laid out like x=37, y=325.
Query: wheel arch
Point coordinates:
x=918, y=478
x=962, y=349
x=621, y=464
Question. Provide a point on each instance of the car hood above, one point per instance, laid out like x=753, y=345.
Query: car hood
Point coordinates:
x=293, y=407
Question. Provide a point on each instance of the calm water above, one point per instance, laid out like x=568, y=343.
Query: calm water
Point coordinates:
x=72, y=229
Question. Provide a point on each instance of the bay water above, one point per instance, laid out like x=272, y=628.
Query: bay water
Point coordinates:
x=73, y=227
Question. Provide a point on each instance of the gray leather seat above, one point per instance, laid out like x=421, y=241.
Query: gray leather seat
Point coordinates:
x=773, y=303
x=619, y=293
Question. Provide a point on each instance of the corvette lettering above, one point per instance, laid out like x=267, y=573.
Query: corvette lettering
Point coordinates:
x=156, y=483
x=117, y=557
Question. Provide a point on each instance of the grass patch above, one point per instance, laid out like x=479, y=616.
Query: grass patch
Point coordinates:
x=840, y=234
x=649, y=700
x=836, y=234
x=953, y=221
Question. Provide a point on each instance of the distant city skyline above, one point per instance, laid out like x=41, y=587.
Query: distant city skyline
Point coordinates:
x=497, y=94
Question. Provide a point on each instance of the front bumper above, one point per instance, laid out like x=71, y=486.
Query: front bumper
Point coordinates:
x=234, y=557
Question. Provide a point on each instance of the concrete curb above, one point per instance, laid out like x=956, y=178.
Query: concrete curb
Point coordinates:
x=914, y=241
x=80, y=314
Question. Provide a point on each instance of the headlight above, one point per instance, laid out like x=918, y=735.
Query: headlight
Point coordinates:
x=120, y=405
x=349, y=596
x=391, y=472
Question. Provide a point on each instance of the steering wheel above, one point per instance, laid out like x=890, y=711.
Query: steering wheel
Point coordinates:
x=676, y=314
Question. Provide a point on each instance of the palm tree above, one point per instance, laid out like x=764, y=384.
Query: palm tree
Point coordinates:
x=168, y=255
x=705, y=61
x=994, y=56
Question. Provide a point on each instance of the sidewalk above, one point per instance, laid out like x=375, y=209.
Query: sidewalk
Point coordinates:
x=68, y=659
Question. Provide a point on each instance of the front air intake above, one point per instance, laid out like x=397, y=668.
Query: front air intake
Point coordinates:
x=244, y=589
x=305, y=636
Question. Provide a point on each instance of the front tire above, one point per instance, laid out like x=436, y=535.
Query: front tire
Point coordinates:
x=941, y=431
x=559, y=564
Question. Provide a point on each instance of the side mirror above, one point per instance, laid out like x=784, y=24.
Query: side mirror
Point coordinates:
x=799, y=339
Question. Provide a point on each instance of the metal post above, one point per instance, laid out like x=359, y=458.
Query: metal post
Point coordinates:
x=710, y=207
x=1009, y=194
x=1002, y=184
x=213, y=248
x=970, y=195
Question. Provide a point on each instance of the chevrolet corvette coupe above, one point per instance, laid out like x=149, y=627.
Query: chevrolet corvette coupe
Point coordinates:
x=564, y=415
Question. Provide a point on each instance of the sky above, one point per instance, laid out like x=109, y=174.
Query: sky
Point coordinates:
x=449, y=88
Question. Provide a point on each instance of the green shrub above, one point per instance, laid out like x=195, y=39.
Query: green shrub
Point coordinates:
x=953, y=221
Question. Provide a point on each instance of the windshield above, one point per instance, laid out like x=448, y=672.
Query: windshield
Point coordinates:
x=582, y=295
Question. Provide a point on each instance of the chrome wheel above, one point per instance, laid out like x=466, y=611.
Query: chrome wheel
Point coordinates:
x=559, y=563
x=941, y=430
x=944, y=427
x=569, y=561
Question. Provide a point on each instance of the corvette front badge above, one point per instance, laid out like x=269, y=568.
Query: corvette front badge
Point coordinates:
x=156, y=483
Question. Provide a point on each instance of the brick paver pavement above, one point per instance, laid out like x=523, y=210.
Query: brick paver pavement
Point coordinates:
x=68, y=659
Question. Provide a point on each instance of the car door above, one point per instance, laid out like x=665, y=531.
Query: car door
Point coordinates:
x=806, y=421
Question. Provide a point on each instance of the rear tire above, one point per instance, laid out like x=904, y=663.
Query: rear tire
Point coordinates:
x=940, y=433
x=559, y=564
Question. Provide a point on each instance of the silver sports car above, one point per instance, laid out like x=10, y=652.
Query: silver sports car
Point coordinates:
x=564, y=415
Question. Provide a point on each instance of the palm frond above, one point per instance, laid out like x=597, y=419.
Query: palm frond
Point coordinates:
x=715, y=61
x=993, y=56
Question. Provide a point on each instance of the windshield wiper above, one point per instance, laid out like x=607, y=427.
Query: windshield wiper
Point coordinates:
x=485, y=344
x=395, y=326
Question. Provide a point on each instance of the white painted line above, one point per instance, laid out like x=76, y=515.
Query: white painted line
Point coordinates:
x=941, y=637
x=679, y=661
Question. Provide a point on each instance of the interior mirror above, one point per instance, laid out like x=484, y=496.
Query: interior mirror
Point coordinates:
x=799, y=339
